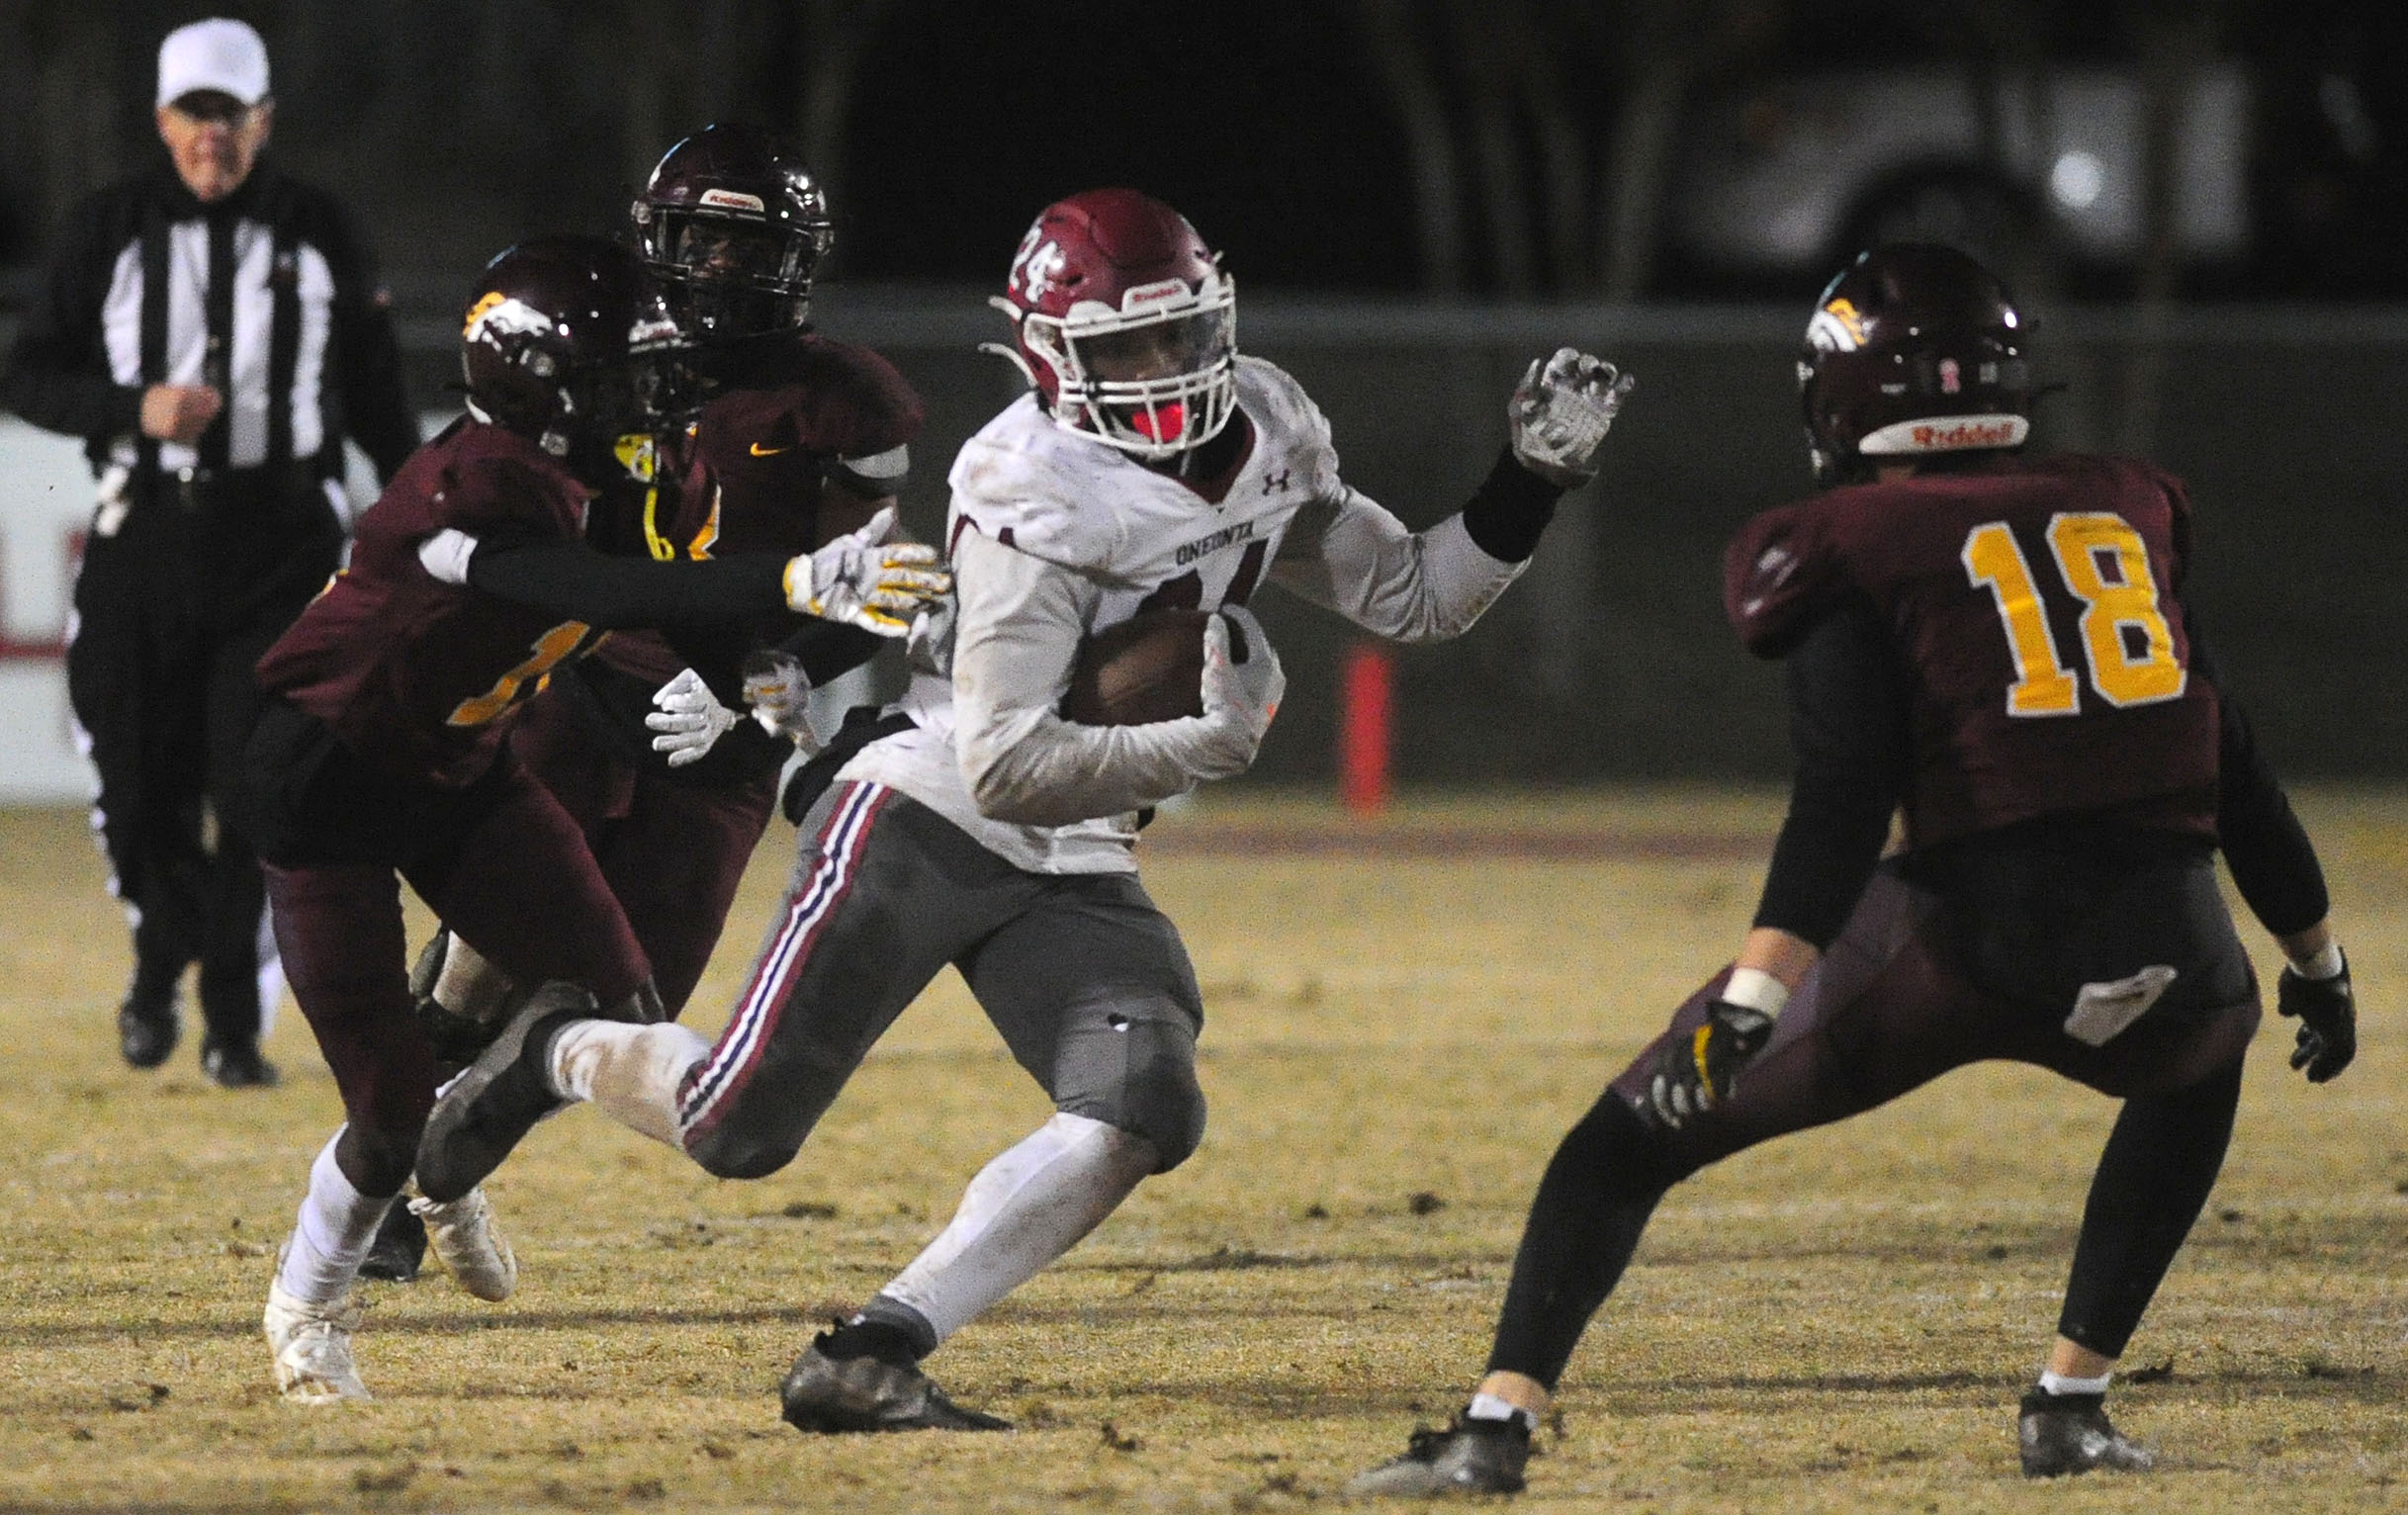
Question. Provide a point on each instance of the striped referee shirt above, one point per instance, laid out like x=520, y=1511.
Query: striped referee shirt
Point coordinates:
x=267, y=296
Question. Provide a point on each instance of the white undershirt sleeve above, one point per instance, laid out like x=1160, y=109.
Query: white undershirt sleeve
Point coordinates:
x=1348, y=554
x=1022, y=619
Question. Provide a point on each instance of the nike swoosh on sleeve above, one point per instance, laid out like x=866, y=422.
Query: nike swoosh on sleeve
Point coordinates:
x=759, y=451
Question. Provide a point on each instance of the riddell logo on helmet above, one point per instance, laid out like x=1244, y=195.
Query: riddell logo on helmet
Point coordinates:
x=1149, y=295
x=733, y=200
x=1939, y=438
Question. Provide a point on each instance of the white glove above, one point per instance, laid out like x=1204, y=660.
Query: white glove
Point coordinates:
x=779, y=694
x=929, y=647
x=689, y=719
x=1239, y=698
x=445, y=555
x=862, y=579
x=1561, y=412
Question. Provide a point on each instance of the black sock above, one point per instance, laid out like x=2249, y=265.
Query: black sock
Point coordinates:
x=2160, y=1163
x=888, y=1343
x=1599, y=1190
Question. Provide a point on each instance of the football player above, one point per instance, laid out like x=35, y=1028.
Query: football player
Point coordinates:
x=798, y=440
x=1150, y=466
x=1998, y=644
x=380, y=752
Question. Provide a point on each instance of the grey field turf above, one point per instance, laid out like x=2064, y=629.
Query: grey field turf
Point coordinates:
x=1404, y=1020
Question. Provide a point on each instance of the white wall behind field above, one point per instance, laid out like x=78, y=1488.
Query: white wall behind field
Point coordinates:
x=45, y=506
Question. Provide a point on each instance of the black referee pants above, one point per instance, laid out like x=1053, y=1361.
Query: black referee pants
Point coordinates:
x=171, y=612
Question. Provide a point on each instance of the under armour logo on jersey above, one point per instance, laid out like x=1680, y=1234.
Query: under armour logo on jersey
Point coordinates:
x=1276, y=482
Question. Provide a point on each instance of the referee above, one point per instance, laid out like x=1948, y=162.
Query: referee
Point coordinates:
x=212, y=330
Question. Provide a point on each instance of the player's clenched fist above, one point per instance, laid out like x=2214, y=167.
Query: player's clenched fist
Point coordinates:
x=862, y=579
x=1695, y=1070
x=1560, y=413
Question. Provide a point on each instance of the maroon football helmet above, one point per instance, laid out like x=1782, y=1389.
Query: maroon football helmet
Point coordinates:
x=1914, y=349
x=733, y=225
x=1125, y=323
x=564, y=342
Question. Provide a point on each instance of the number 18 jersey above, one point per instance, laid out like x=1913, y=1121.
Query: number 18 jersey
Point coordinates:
x=2037, y=613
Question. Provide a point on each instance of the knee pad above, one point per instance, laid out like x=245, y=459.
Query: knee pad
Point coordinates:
x=1130, y=1063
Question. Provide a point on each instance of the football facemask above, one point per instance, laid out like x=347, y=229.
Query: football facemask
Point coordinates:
x=1153, y=378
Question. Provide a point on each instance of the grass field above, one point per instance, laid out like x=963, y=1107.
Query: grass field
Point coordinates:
x=1403, y=1022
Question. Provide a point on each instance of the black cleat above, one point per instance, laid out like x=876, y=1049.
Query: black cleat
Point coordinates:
x=1470, y=1456
x=237, y=1064
x=146, y=1027
x=493, y=1104
x=399, y=1246
x=862, y=1394
x=2063, y=1434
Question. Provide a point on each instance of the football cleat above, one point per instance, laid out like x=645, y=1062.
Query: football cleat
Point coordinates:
x=1470, y=1456
x=862, y=1394
x=146, y=1027
x=470, y=1245
x=496, y=1100
x=237, y=1064
x=398, y=1248
x=2063, y=1434
x=313, y=1347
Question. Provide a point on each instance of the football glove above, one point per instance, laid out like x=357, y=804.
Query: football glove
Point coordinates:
x=862, y=579
x=1560, y=413
x=2328, y=1021
x=779, y=692
x=689, y=719
x=929, y=647
x=1239, y=698
x=1694, y=1071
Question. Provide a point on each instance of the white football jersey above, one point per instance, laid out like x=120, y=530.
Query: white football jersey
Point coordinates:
x=1097, y=537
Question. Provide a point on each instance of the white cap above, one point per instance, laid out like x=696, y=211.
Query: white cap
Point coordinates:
x=217, y=55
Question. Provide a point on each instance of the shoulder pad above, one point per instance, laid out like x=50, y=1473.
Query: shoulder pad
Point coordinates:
x=1025, y=483
x=1780, y=574
x=497, y=482
x=1283, y=416
x=821, y=397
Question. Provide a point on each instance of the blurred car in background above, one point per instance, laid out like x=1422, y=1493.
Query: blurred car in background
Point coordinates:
x=2041, y=173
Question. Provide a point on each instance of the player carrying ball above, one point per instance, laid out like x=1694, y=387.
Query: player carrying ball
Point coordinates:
x=1151, y=466
x=1998, y=644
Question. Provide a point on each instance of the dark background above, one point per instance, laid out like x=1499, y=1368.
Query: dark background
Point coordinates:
x=1417, y=196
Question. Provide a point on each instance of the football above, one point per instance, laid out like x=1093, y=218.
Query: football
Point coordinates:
x=1149, y=667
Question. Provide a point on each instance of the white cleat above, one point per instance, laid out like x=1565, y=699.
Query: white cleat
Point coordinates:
x=472, y=1247
x=313, y=1347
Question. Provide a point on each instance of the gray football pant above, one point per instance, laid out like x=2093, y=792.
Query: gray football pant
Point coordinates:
x=1084, y=977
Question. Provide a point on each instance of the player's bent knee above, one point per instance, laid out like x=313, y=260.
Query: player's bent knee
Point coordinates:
x=1131, y=1064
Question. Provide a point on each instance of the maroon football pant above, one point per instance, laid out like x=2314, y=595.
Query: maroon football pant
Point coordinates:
x=673, y=854
x=1892, y=1006
x=502, y=860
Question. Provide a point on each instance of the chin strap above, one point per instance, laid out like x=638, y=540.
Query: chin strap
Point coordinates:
x=1010, y=354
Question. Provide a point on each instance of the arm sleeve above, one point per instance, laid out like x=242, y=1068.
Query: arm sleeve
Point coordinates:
x=1022, y=619
x=58, y=375
x=366, y=355
x=572, y=580
x=1847, y=724
x=2272, y=863
x=1349, y=554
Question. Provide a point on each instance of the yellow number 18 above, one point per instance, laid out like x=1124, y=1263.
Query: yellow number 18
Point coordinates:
x=2125, y=642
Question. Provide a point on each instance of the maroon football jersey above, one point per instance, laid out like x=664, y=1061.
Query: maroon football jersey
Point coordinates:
x=2035, y=608
x=747, y=475
x=412, y=674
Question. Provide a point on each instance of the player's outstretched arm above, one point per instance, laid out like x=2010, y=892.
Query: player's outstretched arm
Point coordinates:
x=2274, y=866
x=1019, y=623
x=1350, y=555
